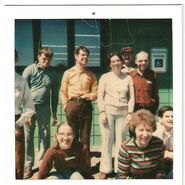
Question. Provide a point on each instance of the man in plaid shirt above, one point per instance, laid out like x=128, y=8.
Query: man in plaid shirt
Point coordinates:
x=145, y=84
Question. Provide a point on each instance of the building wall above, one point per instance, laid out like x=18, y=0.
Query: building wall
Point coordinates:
x=114, y=34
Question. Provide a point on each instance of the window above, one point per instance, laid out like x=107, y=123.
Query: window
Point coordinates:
x=24, y=41
x=87, y=34
x=54, y=36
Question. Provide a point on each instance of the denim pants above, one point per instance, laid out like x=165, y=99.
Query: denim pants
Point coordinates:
x=43, y=116
x=68, y=174
x=116, y=129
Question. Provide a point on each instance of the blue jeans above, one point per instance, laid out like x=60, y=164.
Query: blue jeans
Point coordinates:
x=170, y=175
x=68, y=174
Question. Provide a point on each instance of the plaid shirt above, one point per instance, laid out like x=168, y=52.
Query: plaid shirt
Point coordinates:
x=145, y=87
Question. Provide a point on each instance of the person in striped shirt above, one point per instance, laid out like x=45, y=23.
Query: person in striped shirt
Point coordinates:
x=142, y=156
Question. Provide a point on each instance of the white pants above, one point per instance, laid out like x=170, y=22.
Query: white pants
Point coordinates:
x=117, y=129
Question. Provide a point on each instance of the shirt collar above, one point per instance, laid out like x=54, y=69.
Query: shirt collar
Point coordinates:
x=39, y=66
x=74, y=68
x=135, y=72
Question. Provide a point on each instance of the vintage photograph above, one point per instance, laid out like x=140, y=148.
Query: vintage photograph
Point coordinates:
x=95, y=92
x=95, y=75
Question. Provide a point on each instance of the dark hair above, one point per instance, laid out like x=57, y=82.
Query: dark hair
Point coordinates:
x=56, y=144
x=126, y=50
x=163, y=109
x=142, y=116
x=63, y=123
x=83, y=48
x=46, y=51
x=110, y=55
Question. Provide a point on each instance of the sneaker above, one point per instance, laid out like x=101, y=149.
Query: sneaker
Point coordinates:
x=102, y=175
x=27, y=173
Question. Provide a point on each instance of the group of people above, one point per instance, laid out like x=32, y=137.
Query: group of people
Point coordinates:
x=128, y=101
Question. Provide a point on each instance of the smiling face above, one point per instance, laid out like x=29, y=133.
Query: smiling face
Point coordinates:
x=65, y=136
x=167, y=119
x=142, y=61
x=44, y=61
x=115, y=63
x=127, y=59
x=143, y=134
x=82, y=58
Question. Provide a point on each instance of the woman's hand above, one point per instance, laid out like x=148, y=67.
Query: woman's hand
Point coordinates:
x=129, y=117
x=103, y=118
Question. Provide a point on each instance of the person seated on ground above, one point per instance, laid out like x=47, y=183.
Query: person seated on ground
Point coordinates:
x=66, y=157
x=142, y=156
x=165, y=132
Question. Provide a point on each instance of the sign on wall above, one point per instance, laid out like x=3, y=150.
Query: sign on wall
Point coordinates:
x=159, y=59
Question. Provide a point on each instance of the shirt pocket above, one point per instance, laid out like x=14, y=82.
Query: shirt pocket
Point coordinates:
x=148, y=86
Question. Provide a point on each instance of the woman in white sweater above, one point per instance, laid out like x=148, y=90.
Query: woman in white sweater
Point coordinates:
x=116, y=104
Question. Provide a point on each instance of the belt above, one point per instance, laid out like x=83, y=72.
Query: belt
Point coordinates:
x=79, y=100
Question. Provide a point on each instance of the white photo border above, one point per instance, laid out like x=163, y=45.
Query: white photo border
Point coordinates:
x=9, y=13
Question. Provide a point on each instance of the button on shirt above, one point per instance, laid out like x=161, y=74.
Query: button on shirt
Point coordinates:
x=76, y=83
x=23, y=100
x=43, y=84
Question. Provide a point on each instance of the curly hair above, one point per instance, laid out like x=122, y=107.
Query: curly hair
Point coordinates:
x=142, y=116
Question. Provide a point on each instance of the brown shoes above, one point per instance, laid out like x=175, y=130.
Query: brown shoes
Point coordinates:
x=27, y=173
x=102, y=175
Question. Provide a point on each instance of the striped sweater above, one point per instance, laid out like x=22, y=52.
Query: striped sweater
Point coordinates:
x=137, y=163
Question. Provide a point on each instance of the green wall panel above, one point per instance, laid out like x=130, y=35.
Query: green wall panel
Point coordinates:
x=140, y=34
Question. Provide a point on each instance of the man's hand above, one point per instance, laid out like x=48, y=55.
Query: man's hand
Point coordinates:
x=83, y=96
x=29, y=122
x=54, y=119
